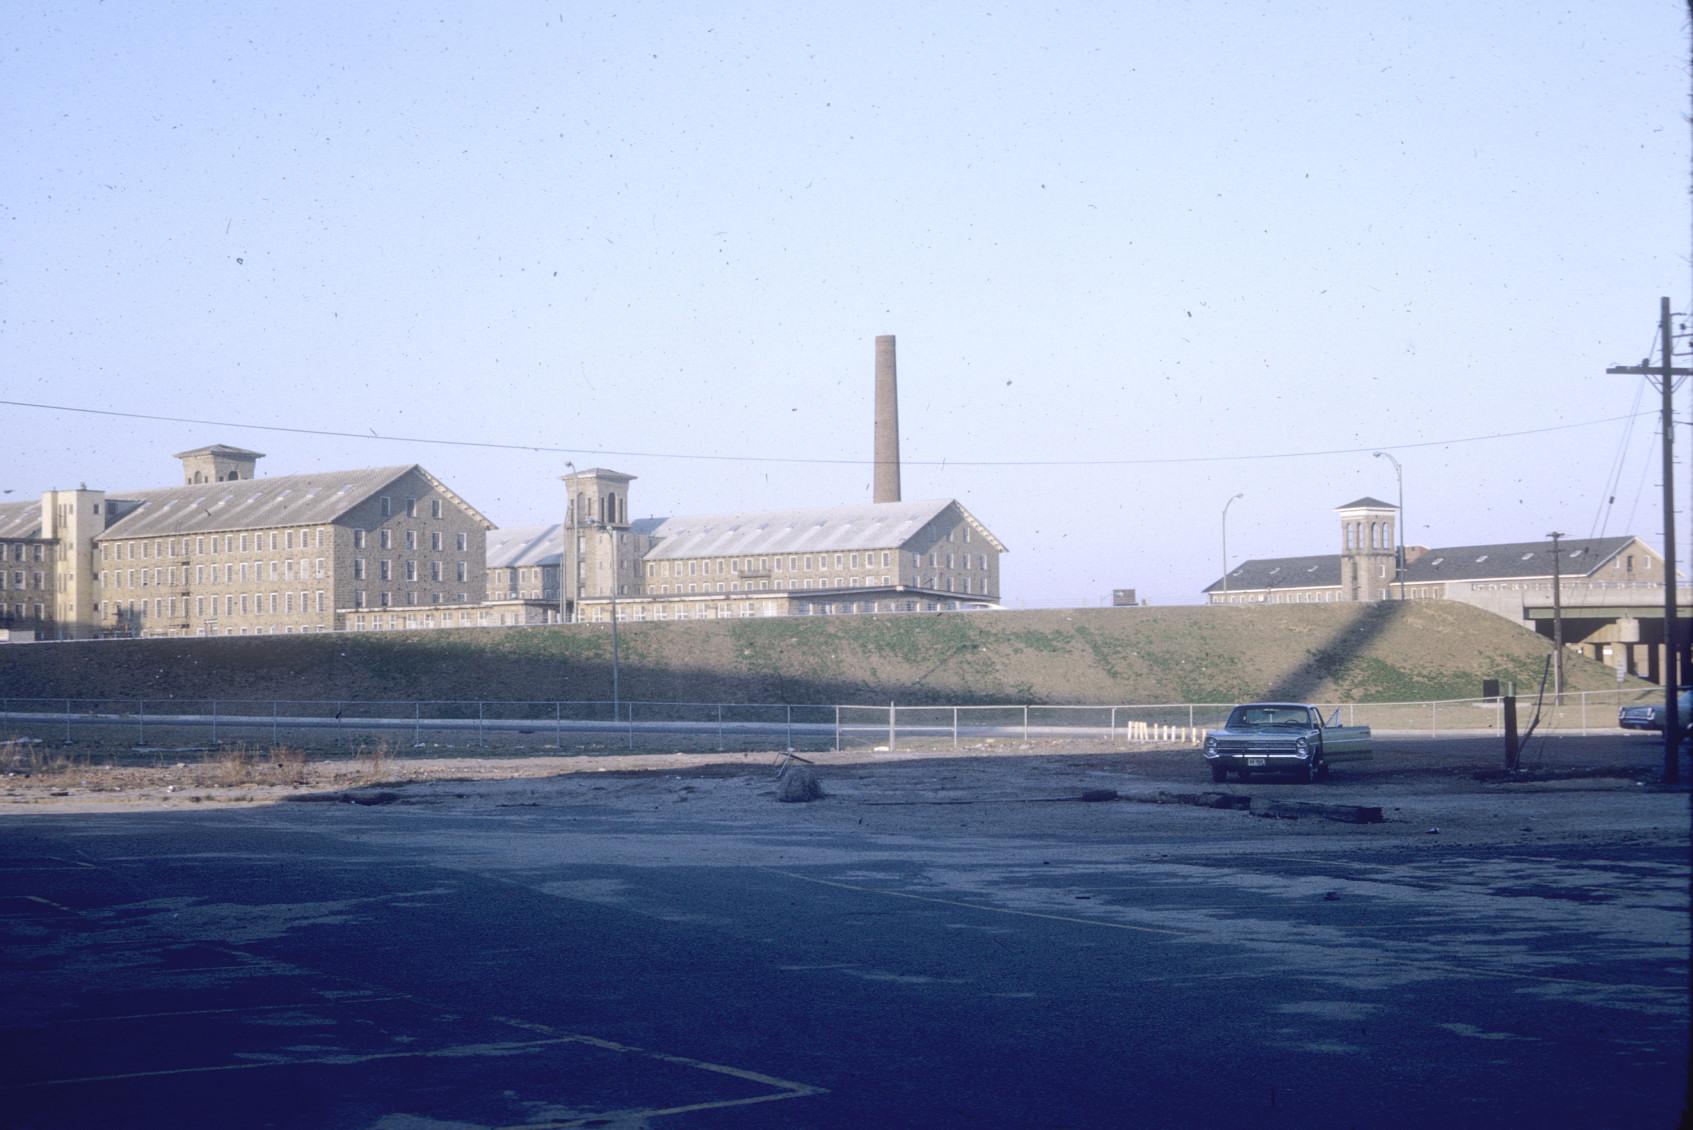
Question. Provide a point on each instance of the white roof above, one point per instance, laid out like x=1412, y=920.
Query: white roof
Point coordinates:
x=525, y=545
x=877, y=525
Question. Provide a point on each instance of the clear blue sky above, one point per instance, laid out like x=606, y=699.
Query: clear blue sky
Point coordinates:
x=655, y=233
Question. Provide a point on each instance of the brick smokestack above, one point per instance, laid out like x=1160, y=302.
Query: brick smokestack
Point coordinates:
x=887, y=423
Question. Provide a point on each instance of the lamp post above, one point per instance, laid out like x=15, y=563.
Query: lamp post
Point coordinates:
x=1226, y=506
x=611, y=533
x=1399, y=526
x=573, y=597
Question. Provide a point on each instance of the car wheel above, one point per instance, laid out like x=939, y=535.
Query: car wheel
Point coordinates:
x=1320, y=767
x=1219, y=773
x=1303, y=774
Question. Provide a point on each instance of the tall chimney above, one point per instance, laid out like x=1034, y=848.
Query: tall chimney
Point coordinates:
x=887, y=423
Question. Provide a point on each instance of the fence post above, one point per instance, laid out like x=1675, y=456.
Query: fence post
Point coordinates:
x=67, y=721
x=481, y=712
x=790, y=709
x=1433, y=720
x=214, y=721
x=275, y=710
x=558, y=725
x=955, y=727
x=140, y=721
x=837, y=729
x=891, y=739
x=1025, y=725
x=1113, y=724
x=719, y=726
x=1584, y=714
x=417, y=724
x=631, y=708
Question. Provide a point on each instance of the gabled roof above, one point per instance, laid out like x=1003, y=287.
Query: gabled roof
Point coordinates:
x=1578, y=558
x=246, y=504
x=525, y=545
x=20, y=519
x=1284, y=573
x=1368, y=503
x=875, y=525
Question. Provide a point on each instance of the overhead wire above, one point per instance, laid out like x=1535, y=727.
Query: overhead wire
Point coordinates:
x=815, y=460
x=1601, y=517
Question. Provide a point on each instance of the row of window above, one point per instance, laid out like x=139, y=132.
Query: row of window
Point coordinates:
x=385, y=539
x=965, y=584
x=18, y=578
x=201, y=544
x=257, y=541
x=409, y=570
x=385, y=505
x=385, y=599
x=747, y=609
x=10, y=551
x=284, y=570
x=245, y=604
x=807, y=563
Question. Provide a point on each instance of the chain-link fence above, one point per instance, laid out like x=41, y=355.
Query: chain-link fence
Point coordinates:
x=524, y=727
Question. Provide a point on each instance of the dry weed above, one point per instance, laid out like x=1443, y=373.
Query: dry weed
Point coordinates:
x=24, y=757
x=238, y=765
x=376, y=757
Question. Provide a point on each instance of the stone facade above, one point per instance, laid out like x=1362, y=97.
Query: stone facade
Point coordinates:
x=225, y=554
x=382, y=549
x=28, y=598
x=1610, y=590
x=885, y=557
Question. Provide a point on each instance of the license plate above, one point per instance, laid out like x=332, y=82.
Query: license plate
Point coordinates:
x=1255, y=762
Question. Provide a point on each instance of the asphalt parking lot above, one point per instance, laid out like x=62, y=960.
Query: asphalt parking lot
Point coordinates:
x=939, y=941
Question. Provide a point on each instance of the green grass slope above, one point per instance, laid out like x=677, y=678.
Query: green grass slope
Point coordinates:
x=1358, y=653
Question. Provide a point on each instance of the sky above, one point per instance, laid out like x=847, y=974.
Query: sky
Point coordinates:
x=1139, y=258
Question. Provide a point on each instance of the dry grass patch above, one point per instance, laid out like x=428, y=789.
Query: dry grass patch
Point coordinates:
x=278, y=765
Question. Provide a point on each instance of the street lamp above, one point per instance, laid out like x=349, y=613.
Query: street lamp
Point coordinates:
x=1226, y=506
x=611, y=533
x=1399, y=526
x=573, y=597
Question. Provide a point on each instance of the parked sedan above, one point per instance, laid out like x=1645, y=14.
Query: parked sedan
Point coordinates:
x=1650, y=715
x=1282, y=737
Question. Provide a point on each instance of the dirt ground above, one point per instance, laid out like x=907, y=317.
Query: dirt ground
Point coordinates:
x=1572, y=788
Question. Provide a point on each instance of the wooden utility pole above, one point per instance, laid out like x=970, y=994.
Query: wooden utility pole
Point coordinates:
x=1557, y=624
x=1666, y=374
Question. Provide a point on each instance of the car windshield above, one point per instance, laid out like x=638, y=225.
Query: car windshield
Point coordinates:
x=1292, y=716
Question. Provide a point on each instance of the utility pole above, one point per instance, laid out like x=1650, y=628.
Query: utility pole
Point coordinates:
x=1557, y=623
x=1666, y=374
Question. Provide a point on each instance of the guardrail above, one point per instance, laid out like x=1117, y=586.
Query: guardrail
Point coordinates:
x=587, y=726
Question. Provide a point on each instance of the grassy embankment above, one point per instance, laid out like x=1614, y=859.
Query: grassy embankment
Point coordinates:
x=1349, y=653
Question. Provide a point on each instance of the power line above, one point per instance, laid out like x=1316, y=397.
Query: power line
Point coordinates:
x=603, y=452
